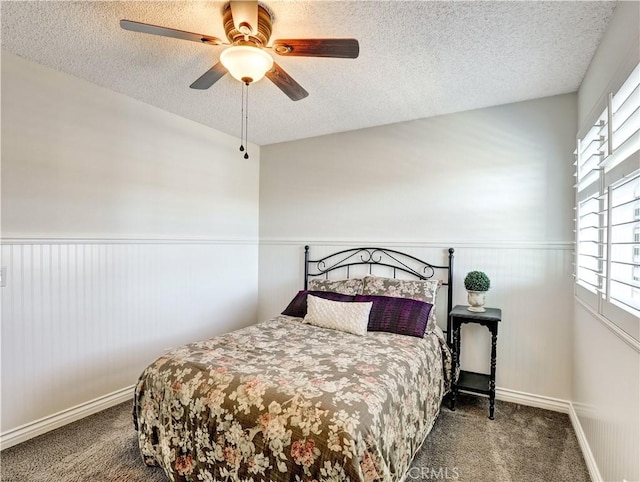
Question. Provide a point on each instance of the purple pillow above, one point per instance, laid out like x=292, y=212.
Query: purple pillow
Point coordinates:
x=298, y=305
x=397, y=315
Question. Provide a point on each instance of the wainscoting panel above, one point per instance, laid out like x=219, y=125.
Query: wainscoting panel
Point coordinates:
x=531, y=283
x=82, y=319
x=606, y=395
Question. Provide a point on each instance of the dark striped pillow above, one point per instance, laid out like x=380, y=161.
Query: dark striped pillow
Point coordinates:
x=298, y=305
x=397, y=315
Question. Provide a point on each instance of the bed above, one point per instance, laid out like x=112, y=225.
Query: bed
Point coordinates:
x=289, y=399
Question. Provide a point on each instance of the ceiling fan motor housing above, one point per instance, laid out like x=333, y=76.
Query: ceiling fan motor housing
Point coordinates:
x=259, y=37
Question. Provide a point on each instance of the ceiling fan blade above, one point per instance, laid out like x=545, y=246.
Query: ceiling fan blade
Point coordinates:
x=245, y=16
x=286, y=83
x=168, y=32
x=210, y=77
x=343, y=48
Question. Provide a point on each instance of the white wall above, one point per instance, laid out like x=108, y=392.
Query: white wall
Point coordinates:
x=496, y=174
x=492, y=183
x=606, y=365
x=617, y=55
x=125, y=230
x=82, y=161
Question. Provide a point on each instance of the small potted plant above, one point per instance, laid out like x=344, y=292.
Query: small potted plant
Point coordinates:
x=477, y=283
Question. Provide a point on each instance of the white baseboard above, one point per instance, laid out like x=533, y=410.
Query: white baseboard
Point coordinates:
x=531, y=400
x=589, y=459
x=528, y=399
x=57, y=420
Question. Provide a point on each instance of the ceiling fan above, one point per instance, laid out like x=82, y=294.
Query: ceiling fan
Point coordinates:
x=247, y=25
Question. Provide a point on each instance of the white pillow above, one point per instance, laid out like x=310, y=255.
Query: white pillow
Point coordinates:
x=338, y=315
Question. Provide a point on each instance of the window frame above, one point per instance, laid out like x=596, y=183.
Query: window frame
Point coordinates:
x=604, y=164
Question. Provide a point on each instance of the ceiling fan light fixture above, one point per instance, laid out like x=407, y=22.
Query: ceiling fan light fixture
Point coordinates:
x=245, y=63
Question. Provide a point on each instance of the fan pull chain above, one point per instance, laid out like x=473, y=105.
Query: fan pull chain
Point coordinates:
x=242, y=120
x=246, y=122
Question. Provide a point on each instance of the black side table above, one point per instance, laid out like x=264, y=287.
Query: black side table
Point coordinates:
x=471, y=381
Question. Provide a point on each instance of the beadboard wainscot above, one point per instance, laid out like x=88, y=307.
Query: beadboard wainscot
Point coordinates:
x=82, y=318
x=126, y=230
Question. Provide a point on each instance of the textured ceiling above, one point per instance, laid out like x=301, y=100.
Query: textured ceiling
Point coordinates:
x=417, y=58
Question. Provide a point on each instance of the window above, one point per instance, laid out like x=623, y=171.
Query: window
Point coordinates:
x=625, y=237
x=608, y=207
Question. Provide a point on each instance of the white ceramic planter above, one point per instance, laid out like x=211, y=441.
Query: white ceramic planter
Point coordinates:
x=476, y=301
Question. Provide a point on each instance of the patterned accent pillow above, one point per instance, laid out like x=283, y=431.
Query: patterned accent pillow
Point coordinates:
x=421, y=290
x=337, y=315
x=397, y=315
x=351, y=286
x=298, y=305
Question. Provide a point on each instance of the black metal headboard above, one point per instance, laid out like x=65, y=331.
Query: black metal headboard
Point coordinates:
x=389, y=258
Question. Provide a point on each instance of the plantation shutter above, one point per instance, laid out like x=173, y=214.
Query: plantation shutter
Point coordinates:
x=607, y=258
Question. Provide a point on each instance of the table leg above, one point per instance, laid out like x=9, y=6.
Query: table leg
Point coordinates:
x=492, y=381
x=454, y=367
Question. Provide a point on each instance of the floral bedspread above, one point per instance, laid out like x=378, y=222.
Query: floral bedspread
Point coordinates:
x=286, y=401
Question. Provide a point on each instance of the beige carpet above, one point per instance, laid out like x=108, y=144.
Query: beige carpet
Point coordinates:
x=522, y=444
